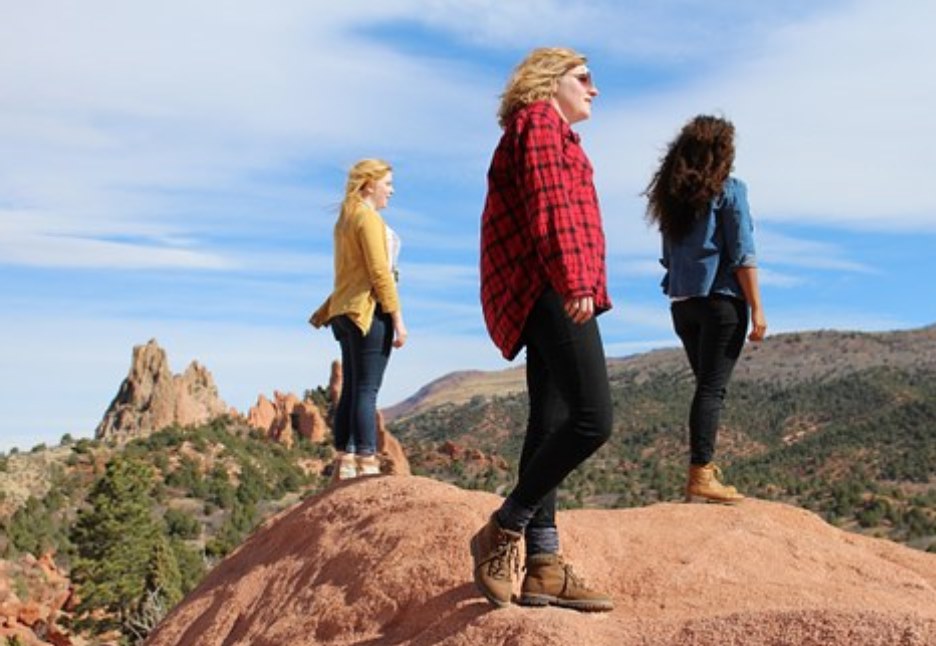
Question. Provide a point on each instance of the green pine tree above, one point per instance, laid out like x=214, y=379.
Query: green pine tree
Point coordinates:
x=164, y=576
x=123, y=557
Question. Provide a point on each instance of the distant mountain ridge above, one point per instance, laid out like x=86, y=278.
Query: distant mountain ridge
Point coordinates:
x=841, y=423
x=780, y=358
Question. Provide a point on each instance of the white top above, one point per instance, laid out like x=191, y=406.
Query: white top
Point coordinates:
x=393, y=249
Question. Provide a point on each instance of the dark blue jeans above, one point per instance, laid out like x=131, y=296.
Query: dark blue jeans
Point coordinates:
x=570, y=404
x=712, y=330
x=363, y=362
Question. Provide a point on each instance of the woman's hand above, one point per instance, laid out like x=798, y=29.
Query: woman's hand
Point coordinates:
x=758, y=324
x=747, y=278
x=580, y=309
x=399, y=330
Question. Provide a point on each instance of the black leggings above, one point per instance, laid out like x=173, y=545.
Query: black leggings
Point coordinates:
x=712, y=331
x=570, y=403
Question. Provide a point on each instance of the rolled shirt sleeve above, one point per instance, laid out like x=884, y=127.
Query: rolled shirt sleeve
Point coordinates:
x=738, y=227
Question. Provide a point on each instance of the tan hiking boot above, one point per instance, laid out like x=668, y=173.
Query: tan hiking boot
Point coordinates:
x=550, y=581
x=496, y=561
x=368, y=465
x=344, y=467
x=704, y=483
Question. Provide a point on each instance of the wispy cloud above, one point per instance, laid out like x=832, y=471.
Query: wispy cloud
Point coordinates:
x=172, y=169
x=126, y=107
x=813, y=254
x=832, y=116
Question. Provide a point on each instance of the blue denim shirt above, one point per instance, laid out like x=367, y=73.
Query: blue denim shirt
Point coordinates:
x=704, y=262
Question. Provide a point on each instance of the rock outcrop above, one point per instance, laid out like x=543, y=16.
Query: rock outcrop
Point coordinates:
x=30, y=610
x=385, y=561
x=393, y=459
x=285, y=415
x=151, y=397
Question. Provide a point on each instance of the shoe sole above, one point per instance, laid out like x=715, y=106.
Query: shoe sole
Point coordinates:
x=695, y=498
x=499, y=603
x=542, y=601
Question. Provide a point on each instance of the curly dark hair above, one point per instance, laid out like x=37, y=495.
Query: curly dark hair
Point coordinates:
x=692, y=172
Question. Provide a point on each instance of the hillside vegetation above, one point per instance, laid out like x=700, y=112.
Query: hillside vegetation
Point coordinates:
x=137, y=527
x=854, y=441
x=843, y=424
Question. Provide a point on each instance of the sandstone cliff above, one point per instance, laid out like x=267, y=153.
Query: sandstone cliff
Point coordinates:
x=151, y=397
x=385, y=561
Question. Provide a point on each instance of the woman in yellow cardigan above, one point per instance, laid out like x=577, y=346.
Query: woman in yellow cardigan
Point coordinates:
x=364, y=313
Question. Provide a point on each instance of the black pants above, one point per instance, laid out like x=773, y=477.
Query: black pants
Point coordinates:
x=570, y=403
x=712, y=331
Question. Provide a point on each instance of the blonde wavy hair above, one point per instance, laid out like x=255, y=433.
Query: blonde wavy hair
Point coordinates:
x=536, y=78
x=362, y=173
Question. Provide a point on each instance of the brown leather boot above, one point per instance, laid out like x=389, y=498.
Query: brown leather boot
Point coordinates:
x=550, y=581
x=704, y=484
x=496, y=561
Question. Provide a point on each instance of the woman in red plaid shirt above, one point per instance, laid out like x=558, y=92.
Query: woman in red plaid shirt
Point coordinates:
x=543, y=283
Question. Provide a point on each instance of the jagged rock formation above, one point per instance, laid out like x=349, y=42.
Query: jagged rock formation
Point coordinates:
x=385, y=561
x=393, y=459
x=151, y=397
x=286, y=415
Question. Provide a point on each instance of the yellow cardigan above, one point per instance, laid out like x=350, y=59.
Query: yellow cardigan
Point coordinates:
x=362, y=271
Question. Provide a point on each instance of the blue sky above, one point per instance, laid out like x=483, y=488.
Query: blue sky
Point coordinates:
x=171, y=170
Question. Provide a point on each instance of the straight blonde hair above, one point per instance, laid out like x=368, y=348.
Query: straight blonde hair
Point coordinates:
x=536, y=78
x=362, y=173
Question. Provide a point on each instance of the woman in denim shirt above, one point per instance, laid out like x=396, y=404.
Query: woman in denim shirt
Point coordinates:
x=711, y=278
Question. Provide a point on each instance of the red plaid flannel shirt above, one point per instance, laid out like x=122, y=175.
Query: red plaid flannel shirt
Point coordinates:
x=541, y=225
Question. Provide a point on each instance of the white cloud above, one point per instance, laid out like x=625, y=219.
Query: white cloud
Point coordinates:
x=627, y=316
x=663, y=33
x=636, y=268
x=126, y=106
x=770, y=278
x=436, y=276
x=58, y=250
x=779, y=249
x=212, y=139
x=833, y=117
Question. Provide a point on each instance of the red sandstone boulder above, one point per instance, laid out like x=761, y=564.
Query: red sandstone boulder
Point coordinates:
x=385, y=560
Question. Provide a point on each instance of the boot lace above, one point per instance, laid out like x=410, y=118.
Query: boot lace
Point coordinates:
x=717, y=476
x=572, y=578
x=505, y=559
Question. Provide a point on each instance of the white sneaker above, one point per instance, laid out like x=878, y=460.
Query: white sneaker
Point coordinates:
x=345, y=467
x=368, y=465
